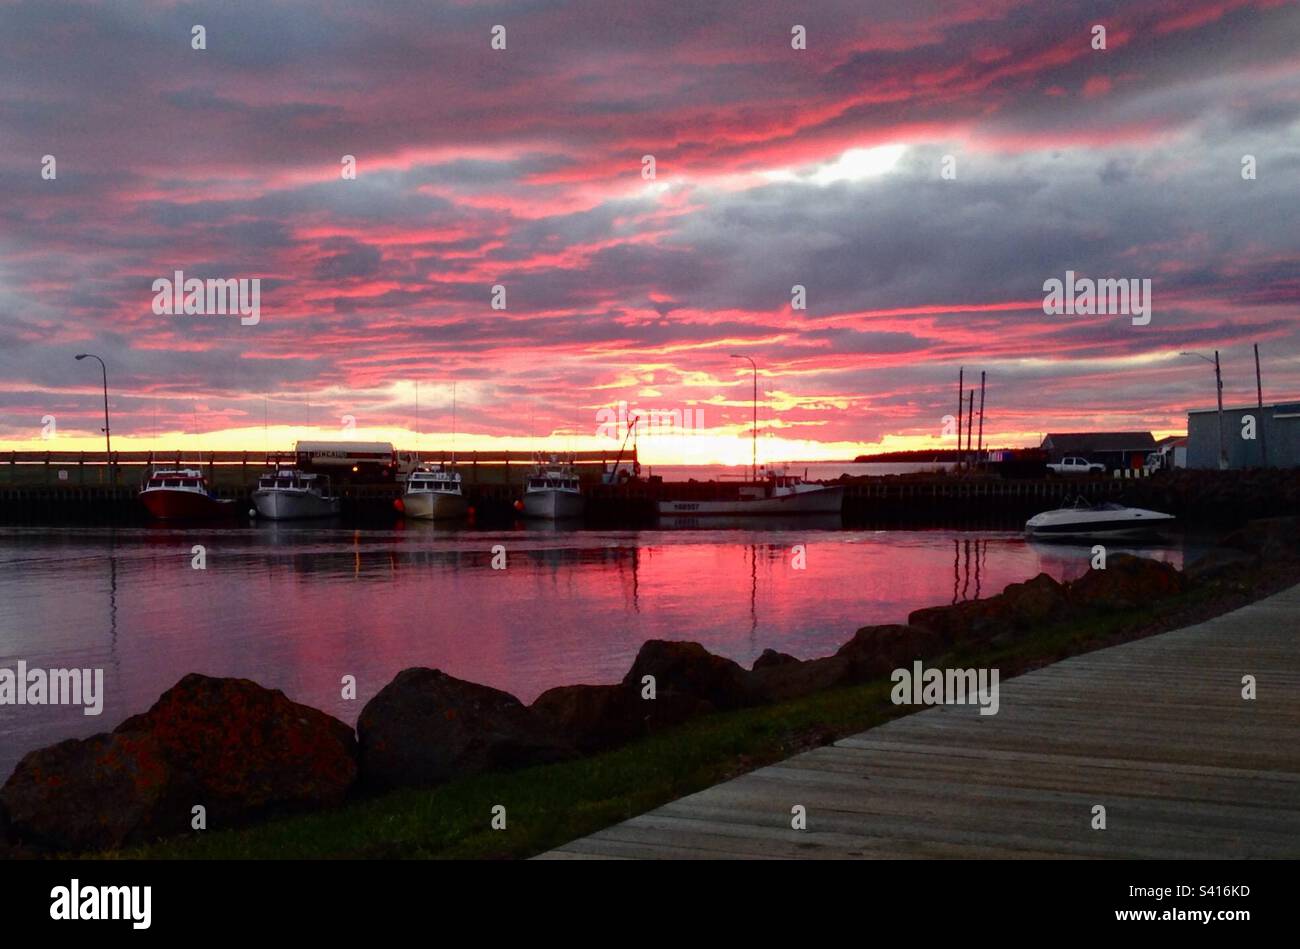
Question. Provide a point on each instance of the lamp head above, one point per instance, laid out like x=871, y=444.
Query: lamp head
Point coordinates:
x=81, y=356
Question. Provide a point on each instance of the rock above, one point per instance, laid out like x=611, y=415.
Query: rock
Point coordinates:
x=783, y=681
x=684, y=668
x=591, y=717
x=598, y=717
x=426, y=727
x=876, y=651
x=1126, y=583
x=1035, y=602
x=1019, y=607
x=770, y=657
x=248, y=750
x=96, y=793
x=1220, y=563
x=969, y=621
x=1268, y=538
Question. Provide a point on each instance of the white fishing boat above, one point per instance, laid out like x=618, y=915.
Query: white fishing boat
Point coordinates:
x=289, y=494
x=553, y=491
x=776, y=493
x=1084, y=519
x=434, y=493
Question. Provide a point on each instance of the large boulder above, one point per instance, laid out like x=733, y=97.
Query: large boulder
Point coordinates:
x=770, y=657
x=1220, y=564
x=591, y=717
x=1125, y=583
x=780, y=682
x=235, y=748
x=968, y=621
x=688, y=669
x=1272, y=538
x=1035, y=602
x=426, y=727
x=876, y=651
x=96, y=793
x=596, y=717
x=248, y=750
x=1018, y=608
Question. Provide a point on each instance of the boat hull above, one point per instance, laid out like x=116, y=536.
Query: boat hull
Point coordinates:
x=168, y=505
x=553, y=505
x=434, y=506
x=1100, y=524
x=824, y=501
x=293, y=505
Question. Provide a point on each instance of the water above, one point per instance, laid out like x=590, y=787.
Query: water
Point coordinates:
x=297, y=608
x=816, y=470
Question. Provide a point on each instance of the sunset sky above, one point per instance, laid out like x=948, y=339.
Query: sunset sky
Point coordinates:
x=523, y=167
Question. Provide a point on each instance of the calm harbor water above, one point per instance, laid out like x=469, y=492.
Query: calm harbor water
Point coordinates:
x=299, y=607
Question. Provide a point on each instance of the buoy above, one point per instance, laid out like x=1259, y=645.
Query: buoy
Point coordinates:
x=399, y=506
x=252, y=512
x=519, y=505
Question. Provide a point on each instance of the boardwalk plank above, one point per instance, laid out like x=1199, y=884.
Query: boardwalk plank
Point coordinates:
x=1155, y=730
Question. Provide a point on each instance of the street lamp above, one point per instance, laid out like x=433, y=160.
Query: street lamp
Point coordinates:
x=754, y=453
x=108, y=438
x=1218, y=384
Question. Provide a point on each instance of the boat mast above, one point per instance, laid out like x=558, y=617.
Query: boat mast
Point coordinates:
x=754, y=448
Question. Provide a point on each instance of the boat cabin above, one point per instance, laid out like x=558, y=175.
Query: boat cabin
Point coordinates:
x=553, y=480
x=433, y=479
x=184, y=479
x=293, y=480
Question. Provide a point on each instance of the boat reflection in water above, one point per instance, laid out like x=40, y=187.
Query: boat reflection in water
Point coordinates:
x=768, y=522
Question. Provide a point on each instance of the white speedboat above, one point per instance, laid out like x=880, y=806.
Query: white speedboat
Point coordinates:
x=434, y=493
x=289, y=494
x=776, y=493
x=553, y=491
x=1083, y=519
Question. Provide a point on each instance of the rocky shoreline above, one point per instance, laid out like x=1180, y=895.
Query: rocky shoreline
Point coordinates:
x=229, y=752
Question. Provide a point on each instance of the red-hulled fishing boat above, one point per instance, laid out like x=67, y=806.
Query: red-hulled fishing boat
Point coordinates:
x=181, y=494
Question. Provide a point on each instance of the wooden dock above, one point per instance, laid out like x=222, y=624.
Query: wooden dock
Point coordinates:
x=1156, y=731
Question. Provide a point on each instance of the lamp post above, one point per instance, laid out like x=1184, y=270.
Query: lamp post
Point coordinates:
x=754, y=454
x=108, y=438
x=1218, y=384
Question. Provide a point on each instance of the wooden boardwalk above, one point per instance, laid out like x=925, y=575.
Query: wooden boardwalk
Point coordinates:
x=1155, y=730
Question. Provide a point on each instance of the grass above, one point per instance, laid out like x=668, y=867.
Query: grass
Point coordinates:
x=548, y=806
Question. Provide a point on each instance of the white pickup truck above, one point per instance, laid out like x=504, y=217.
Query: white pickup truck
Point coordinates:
x=1074, y=465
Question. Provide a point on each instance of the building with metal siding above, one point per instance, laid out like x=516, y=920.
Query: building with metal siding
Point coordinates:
x=1277, y=432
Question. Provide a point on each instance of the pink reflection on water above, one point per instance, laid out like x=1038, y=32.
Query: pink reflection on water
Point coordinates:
x=299, y=609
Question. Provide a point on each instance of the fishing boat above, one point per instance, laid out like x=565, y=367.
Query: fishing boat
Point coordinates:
x=1083, y=519
x=433, y=492
x=176, y=494
x=776, y=492
x=288, y=494
x=553, y=491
